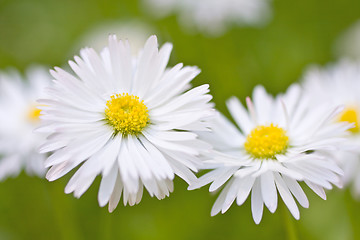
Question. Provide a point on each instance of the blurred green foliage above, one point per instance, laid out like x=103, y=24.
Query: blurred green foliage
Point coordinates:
x=302, y=32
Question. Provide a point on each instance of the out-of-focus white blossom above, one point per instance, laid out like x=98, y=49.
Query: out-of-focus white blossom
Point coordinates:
x=136, y=32
x=213, y=16
x=348, y=44
x=19, y=116
x=340, y=84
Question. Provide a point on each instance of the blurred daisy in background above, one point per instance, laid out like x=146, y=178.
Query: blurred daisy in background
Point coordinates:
x=340, y=84
x=277, y=143
x=135, y=31
x=19, y=116
x=128, y=119
x=348, y=44
x=213, y=16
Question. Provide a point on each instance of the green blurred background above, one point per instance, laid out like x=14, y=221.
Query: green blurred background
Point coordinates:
x=300, y=33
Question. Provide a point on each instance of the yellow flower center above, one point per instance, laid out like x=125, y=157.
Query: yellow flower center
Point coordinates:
x=126, y=114
x=34, y=114
x=265, y=142
x=351, y=115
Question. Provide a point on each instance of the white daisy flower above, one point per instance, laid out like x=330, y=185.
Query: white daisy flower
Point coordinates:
x=340, y=84
x=276, y=143
x=134, y=31
x=348, y=44
x=128, y=119
x=213, y=16
x=19, y=116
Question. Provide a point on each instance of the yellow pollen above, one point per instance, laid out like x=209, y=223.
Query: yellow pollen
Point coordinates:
x=265, y=142
x=34, y=114
x=350, y=115
x=126, y=114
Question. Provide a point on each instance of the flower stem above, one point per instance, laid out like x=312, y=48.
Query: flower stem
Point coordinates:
x=289, y=223
x=64, y=212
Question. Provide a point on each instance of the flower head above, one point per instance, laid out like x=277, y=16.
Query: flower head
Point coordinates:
x=136, y=31
x=127, y=118
x=19, y=116
x=348, y=44
x=275, y=144
x=213, y=16
x=340, y=84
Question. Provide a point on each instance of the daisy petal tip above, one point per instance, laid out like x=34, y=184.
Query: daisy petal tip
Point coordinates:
x=198, y=71
x=102, y=202
x=192, y=187
x=53, y=72
x=231, y=100
x=257, y=221
x=47, y=164
x=171, y=176
x=272, y=209
x=111, y=209
x=213, y=188
x=112, y=37
x=214, y=213
x=168, y=45
x=67, y=191
x=50, y=177
x=152, y=40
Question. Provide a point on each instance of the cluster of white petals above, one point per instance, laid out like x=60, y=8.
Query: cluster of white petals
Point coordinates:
x=18, y=118
x=348, y=44
x=340, y=84
x=213, y=16
x=136, y=122
x=82, y=120
x=305, y=131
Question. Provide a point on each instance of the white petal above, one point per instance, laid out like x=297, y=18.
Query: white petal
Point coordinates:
x=183, y=172
x=138, y=159
x=297, y=191
x=240, y=115
x=120, y=55
x=257, y=204
x=220, y=201
x=268, y=190
x=169, y=145
x=207, y=178
x=317, y=189
x=221, y=179
x=286, y=196
x=245, y=187
x=262, y=104
x=147, y=62
x=126, y=165
x=158, y=157
x=107, y=186
x=115, y=196
x=231, y=195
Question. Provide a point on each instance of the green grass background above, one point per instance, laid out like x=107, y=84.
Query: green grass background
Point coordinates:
x=301, y=32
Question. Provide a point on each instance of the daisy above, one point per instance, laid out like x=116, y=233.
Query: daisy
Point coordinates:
x=340, y=84
x=348, y=44
x=129, y=119
x=277, y=143
x=213, y=16
x=136, y=32
x=19, y=115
